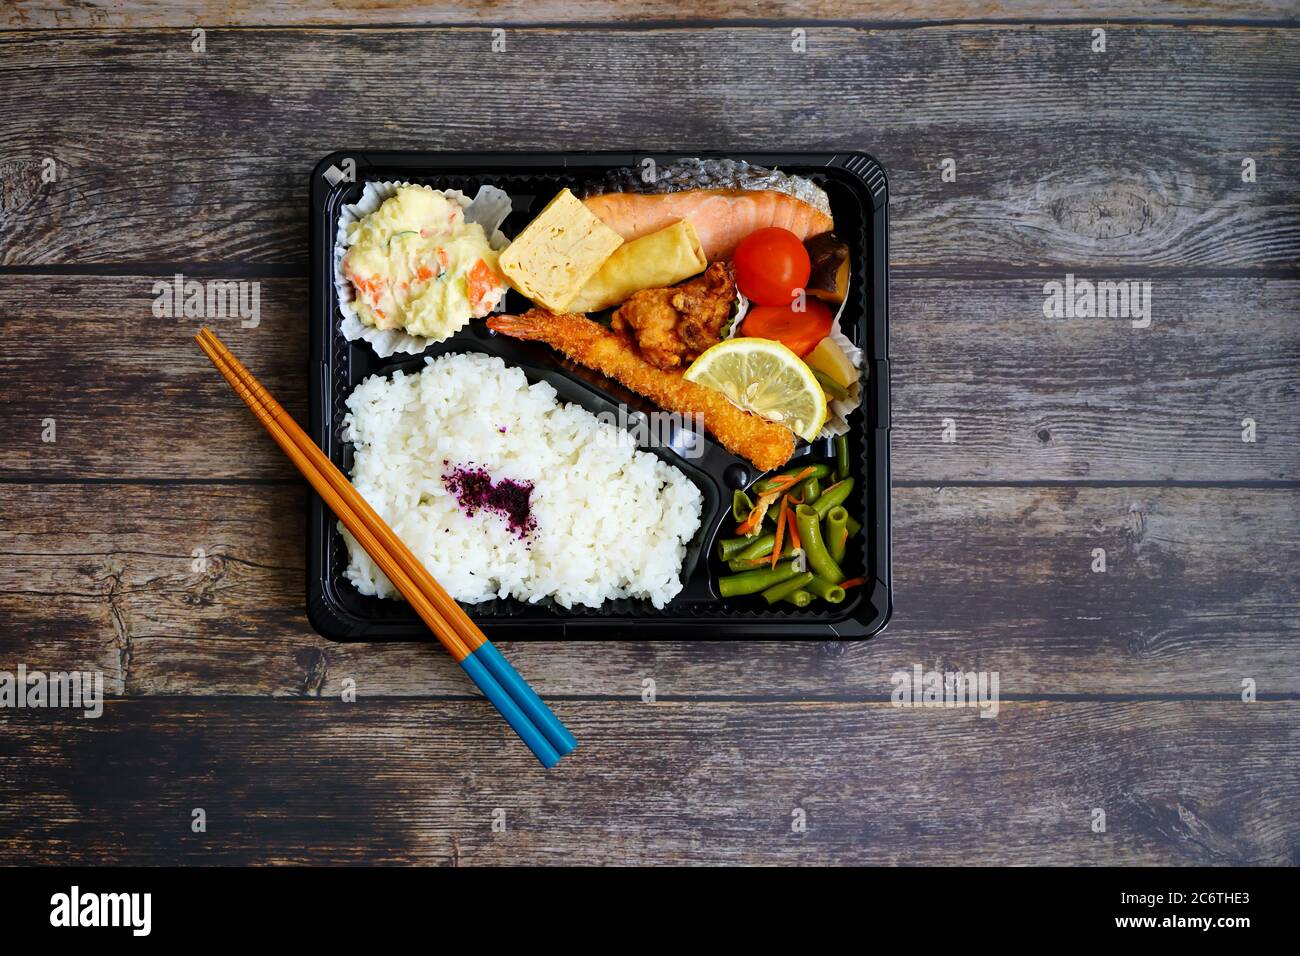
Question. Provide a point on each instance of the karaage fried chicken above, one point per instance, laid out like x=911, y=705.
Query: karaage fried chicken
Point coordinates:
x=672, y=326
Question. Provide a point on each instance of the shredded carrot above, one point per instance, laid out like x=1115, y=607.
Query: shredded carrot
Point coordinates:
x=794, y=531
x=785, y=482
x=750, y=524
x=754, y=520
x=780, y=530
x=844, y=539
x=781, y=485
x=852, y=583
x=795, y=479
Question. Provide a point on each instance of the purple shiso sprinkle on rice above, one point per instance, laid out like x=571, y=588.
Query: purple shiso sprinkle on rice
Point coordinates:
x=475, y=490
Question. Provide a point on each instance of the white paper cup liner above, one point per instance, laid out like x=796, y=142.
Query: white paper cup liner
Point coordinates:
x=488, y=208
x=839, y=410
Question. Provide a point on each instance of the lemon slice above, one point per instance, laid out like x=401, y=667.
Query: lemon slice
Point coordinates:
x=766, y=378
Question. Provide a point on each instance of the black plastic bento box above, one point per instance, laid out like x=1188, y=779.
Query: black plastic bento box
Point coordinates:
x=858, y=192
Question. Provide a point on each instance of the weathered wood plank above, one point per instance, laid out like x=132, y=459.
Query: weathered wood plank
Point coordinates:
x=314, y=782
x=1035, y=398
x=1031, y=398
x=1198, y=595
x=1065, y=158
x=131, y=395
x=138, y=14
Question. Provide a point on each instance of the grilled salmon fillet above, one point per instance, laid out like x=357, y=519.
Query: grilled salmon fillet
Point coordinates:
x=721, y=217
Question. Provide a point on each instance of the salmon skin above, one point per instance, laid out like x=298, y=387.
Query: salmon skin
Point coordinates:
x=725, y=200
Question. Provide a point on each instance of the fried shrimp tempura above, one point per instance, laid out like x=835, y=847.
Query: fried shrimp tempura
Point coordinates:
x=766, y=444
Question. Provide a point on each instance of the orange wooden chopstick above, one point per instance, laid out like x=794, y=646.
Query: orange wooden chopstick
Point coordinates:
x=342, y=507
x=518, y=703
x=468, y=632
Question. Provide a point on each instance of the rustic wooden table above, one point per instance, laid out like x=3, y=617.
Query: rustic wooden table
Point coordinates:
x=149, y=530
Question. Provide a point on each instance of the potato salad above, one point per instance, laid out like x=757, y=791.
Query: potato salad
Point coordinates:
x=416, y=264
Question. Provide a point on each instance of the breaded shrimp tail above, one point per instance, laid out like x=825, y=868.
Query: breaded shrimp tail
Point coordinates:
x=766, y=444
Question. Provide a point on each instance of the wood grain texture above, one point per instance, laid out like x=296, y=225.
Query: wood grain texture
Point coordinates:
x=313, y=782
x=1033, y=398
x=1199, y=594
x=160, y=537
x=136, y=14
x=1036, y=398
x=1065, y=158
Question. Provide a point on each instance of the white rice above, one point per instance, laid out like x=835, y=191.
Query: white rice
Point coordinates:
x=611, y=521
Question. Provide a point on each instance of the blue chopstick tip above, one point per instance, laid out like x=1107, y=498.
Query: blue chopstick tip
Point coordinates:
x=546, y=722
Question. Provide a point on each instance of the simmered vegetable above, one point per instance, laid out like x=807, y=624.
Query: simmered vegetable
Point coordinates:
x=837, y=532
x=829, y=359
x=784, y=478
x=751, y=582
x=833, y=389
x=799, y=330
x=826, y=590
x=810, y=533
x=836, y=494
x=800, y=559
x=729, y=548
x=779, y=592
x=841, y=457
x=828, y=277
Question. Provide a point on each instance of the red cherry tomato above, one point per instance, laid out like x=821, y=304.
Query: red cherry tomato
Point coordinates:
x=771, y=266
x=798, y=331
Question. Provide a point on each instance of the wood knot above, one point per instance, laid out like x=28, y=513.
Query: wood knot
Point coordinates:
x=1109, y=211
x=20, y=184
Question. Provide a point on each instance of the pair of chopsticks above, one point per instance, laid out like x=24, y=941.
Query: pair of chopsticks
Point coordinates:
x=531, y=719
